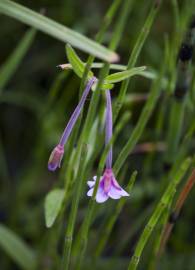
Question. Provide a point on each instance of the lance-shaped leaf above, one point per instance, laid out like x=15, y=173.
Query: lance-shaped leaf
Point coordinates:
x=120, y=76
x=17, y=249
x=148, y=74
x=77, y=65
x=53, y=203
x=56, y=30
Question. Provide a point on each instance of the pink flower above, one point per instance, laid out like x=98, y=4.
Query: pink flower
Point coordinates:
x=108, y=187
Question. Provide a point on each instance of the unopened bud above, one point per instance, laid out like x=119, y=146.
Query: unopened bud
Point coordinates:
x=56, y=158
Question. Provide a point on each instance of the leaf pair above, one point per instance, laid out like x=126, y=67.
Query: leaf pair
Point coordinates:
x=79, y=68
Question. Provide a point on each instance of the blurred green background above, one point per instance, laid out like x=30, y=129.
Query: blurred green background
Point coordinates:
x=29, y=130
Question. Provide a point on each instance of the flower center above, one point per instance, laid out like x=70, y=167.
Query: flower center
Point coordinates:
x=107, y=185
x=107, y=180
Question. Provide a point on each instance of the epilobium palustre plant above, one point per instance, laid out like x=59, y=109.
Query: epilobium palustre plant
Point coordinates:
x=108, y=185
x=129, y=124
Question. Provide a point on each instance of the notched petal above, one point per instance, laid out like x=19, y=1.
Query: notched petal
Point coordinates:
x=124, y=193
x=114, y=193
x=101, y=196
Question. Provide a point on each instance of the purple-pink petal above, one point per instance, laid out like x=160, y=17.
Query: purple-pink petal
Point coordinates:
x=101, y=196
x=108, y=187
x=114, y=193
x=115, y=183
x=123, y=193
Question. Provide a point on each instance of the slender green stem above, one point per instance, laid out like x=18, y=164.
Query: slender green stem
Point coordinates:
x=162, y=221
x=174, y=214
x=99, y=37
x=182, y=87
x=174, y=133
x=171, y=189
x=143, y=119
x=176, y=13
x=135, y=227
x=134, y=56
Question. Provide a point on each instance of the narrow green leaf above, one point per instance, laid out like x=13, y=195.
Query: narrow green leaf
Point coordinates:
x=56, y=30
x=12, y=63
x=77, y=65
x=143, y=34
x=17, y=249
x=120, y=76
x=53, y=203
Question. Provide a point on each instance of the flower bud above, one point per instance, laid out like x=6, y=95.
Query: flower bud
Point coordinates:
x=56, y=158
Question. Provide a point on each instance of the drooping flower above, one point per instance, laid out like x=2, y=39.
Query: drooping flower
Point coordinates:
x=108, y=185
x=58, y=152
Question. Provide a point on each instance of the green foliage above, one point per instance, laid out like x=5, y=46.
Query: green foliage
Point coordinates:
x=77, y=65
x=11, y=65
x=79, y=68
x=56, y=30
x=53, y=205
x=163, y=203
x=123, y=75
x=17, y=249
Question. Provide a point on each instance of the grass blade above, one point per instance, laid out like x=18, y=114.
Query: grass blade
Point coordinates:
x=146, y=112
x=120, y=76
x=10, y=66
x=17, y=249
x=171, y=189
x=135, y=54
x=56, y=30
x=77, y=65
